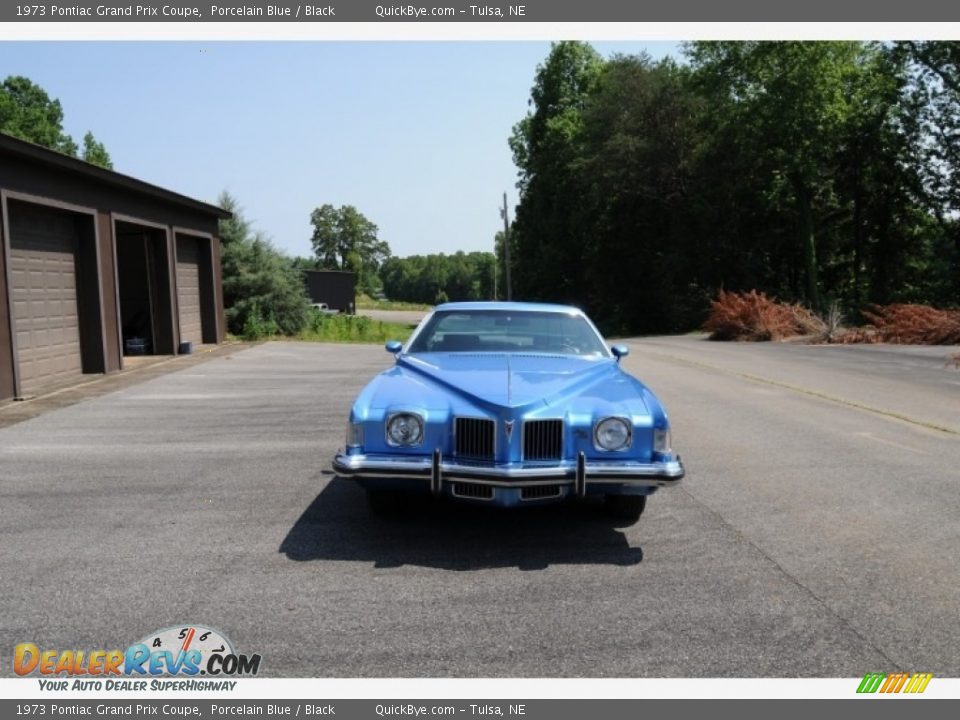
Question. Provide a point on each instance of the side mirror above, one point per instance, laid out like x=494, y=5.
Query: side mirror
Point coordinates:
x=620, y=351
x=394, y=346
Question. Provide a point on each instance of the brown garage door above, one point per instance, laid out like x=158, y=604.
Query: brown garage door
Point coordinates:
x=43, y=270
x=188, y=289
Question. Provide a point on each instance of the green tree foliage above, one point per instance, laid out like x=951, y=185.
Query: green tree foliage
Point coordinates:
x=933, y=114
x=791, y=104
x=28, y=113
x=933, y=69
x=263, y=292
x=95, y=153
x=546, y=245
x=812, y=171
x=634, y=172
x=343, y=239
x=439, y=278
x=835, y=158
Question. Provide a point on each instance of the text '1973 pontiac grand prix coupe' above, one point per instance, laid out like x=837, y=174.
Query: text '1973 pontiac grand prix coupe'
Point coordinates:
x=509, y=404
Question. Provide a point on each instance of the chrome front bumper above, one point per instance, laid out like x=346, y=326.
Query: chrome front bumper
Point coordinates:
x=578, y=473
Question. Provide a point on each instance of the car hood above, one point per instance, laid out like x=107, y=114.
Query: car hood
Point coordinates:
x=516, y=380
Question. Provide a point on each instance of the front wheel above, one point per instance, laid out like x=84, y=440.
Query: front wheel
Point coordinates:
x=625, y=507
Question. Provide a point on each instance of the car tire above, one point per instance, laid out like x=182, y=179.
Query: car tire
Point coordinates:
x=625, y=507
x=384, y=503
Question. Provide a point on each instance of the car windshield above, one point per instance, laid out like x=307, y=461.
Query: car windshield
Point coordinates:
x=507, y=331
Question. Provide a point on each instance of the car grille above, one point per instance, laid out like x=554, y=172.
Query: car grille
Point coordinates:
x=538, y=492
x=474, y=438
x=467, y=490
x=543, y=440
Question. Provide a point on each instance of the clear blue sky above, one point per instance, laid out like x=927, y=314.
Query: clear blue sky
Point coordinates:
x=413, y=134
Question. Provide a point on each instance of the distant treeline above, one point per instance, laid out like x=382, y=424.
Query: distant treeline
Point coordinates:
x=813, y=171
x=439, y=278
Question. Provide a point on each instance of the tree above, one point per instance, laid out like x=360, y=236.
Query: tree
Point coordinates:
x=95, y=153
x=343, y=239
x=934, y=92
x=635, y=164
x=546, y=247
x=437, y=278
x=27, y=112
x=235, y=229
x=813, y=150
x=792, y=102
x=931, y=114
x=263, y=292
x=817, y=171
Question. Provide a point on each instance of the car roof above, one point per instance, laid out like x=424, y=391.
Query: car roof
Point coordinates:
x=510, y=307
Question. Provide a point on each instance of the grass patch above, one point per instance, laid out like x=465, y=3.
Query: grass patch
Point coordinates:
x=365, y=302
x=352, y=329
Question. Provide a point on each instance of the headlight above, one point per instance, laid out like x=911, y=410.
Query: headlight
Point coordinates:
x=613, y=433
x=661, y=440
x=354, y=435
x=404, y=430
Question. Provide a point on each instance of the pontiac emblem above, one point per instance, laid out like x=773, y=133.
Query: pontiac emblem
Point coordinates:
x=508, y=426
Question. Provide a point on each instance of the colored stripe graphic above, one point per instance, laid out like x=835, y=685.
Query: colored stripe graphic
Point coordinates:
x=871, y=682
x=918, y=683
x=894, y=683
x=890, y=683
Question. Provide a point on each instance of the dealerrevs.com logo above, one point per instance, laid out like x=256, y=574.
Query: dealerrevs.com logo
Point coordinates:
x=188, y=650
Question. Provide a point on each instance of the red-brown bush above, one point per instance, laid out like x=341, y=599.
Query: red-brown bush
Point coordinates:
x=915, y=324
x=754, y=316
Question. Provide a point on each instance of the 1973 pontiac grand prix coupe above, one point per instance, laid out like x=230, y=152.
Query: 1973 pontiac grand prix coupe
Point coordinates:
x=509, y=404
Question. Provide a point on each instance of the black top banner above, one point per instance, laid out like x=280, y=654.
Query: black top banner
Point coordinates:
x=577, y=11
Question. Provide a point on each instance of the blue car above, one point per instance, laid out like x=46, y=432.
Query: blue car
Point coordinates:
x=509, y=404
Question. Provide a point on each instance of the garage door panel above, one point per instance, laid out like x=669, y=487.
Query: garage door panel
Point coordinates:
x=43, y=247
x=188, y=290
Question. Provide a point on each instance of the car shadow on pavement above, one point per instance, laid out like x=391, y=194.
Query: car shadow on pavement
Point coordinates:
x=339, y=525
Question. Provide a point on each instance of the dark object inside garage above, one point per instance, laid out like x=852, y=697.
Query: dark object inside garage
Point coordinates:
x=146, y=312
x=96, y=266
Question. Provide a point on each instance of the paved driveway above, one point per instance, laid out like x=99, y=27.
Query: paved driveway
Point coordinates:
x=816, y=534
x=404, y=317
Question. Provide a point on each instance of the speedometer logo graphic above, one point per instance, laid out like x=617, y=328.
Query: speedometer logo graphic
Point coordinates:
x=189, y=650
x=183, y=639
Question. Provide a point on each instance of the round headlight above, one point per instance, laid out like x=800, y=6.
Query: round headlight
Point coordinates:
x=405, y=429
x=612, y=434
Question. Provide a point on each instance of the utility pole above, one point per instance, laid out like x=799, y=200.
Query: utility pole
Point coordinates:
x=506, y=245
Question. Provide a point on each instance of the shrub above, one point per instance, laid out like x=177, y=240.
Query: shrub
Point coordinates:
x=833, y=327
x=914, y=324
x=754, y=316
x=263, y=290
x=256, y=326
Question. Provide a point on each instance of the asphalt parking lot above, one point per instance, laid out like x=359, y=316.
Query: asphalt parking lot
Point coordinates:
x=815, y=535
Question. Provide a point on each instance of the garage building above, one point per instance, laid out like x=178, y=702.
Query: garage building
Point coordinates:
x=95, y=264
